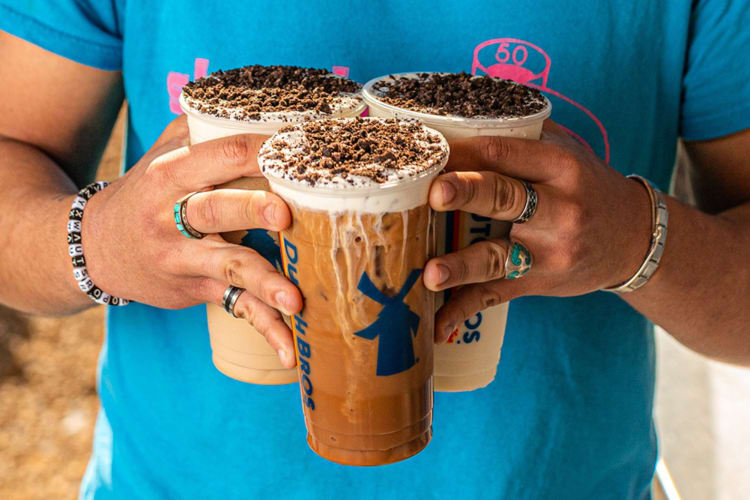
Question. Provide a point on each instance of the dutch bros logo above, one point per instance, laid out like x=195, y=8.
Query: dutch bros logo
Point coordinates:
x=299, y=326
x=394, y=328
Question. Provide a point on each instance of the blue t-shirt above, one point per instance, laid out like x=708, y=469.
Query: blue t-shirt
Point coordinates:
x=569, y=414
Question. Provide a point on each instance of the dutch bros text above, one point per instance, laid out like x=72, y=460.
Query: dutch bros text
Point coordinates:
x=299, y=326
x=479, y=226
x=479, y=229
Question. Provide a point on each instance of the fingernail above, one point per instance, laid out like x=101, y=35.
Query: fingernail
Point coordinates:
x=448, y=329
x=269, y=213
x=443, y=273
x=448, y=191
x=282, y=302
x=285, y=357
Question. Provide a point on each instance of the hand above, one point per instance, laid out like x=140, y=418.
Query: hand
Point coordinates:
x=134, y=250
x=591, y=229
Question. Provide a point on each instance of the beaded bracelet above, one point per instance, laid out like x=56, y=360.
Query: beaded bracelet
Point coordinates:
x=75, y=248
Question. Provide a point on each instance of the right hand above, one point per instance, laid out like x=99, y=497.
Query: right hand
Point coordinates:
x=134, y=250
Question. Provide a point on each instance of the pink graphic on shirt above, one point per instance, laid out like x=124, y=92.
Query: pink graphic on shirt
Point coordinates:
x=200, y=68
x=340, y=70
x=175, y=82
x=526, y=63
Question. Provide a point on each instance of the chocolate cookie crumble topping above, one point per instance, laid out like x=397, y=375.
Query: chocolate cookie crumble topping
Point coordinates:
x=245, y=93
x=352, y=151
x=460, y=94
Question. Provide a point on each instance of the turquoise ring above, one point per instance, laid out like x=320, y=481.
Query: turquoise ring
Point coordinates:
x=180, y=219
x=518, y=262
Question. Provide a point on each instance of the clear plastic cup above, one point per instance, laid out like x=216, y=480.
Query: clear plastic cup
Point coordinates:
x=469, y=359
x=364, y=339
x=239, y=351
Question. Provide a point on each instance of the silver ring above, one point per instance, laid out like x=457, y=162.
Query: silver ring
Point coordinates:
x=518, y=262
x=231, y=294
x=180, y=219
x=532, y=199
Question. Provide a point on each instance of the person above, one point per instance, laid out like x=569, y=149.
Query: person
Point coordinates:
x=570, y=412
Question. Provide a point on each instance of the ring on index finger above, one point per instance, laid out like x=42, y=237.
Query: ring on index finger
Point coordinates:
x=180, y=219
x=529, y=209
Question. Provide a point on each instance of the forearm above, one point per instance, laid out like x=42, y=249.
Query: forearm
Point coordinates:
x=35, y=268
x=701, y=291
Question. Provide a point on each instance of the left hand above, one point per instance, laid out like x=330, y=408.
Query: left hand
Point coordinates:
x=591, y=229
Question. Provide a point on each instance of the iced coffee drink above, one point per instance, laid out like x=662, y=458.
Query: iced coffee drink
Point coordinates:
x=356, y=248
x=459, y=106
x=258, y=100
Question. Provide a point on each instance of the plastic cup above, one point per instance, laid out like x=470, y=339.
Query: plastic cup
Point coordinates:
x=239, y=351
x=364, y=339
x=469, y=359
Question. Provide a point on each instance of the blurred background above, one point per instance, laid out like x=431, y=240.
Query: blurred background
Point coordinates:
x=48, y=404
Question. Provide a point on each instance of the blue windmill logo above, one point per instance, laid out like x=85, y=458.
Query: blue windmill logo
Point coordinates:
x=262, y=242
x=394, y=328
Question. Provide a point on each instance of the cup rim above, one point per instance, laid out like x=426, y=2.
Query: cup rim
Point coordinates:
x=370, y=97
x=243, y=124
x=356, y=191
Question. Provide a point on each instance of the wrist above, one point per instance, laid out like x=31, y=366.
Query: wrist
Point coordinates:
x=636, y=231
x=87, y=252
x=62, y=207
x=657, y=240
x=93, y=233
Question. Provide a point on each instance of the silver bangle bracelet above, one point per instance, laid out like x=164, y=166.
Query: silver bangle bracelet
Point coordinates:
x=660, y=217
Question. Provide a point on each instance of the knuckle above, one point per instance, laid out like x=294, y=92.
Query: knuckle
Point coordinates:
x=251, y=209
x=247, y=309
x=232, y=270
x=563, y=260
x=566, y=256
x=489, y=297
x=459, y=268
x=569, y=165
x=495, y=261
x=155, y=222
x=574, y=218
x=171, y=261
x=206, y=210
x=164, y=168
x=266, y=285
x=248, y=313
x=562, y=154
x=467, y=191
x=235, y=149
x=494, y=147
x=462, y=271
x=504, y=196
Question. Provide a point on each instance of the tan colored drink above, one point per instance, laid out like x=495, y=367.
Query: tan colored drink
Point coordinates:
x=469, y=359
x=239, y=351
x=358, y=242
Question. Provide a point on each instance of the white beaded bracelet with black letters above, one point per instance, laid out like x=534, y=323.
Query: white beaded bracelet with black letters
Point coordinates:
x=75, y=248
